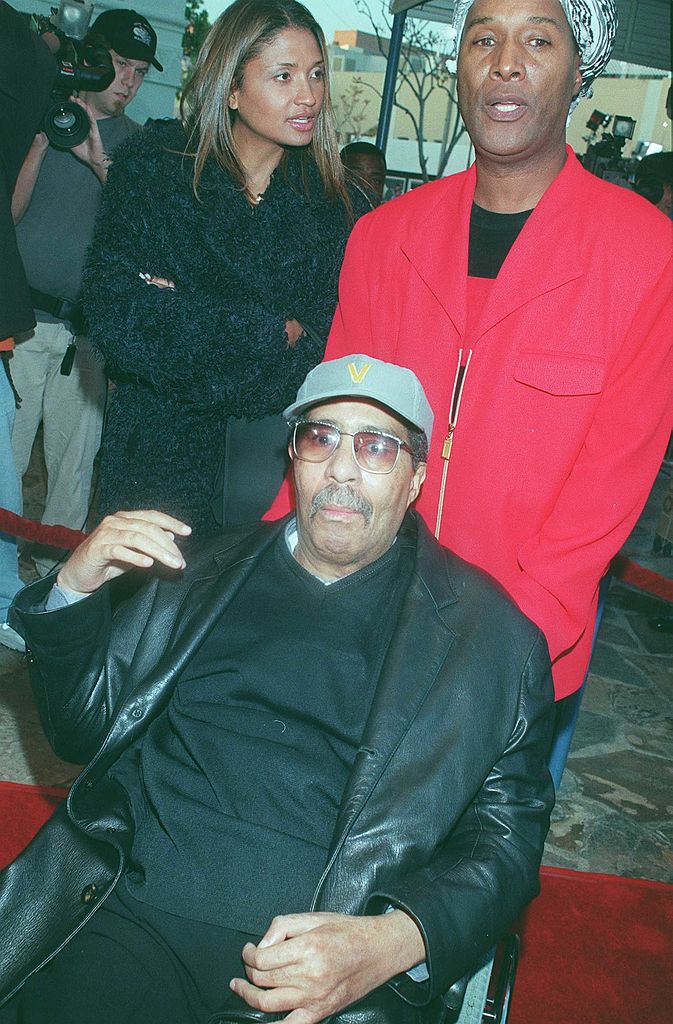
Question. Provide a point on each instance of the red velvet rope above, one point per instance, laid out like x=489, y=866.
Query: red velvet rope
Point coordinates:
x=62, y=537
x=29, y=529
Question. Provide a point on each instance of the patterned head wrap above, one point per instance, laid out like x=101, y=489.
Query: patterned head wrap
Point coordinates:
x=593, y=24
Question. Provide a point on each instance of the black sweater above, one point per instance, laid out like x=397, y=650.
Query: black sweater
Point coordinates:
x=241, y=779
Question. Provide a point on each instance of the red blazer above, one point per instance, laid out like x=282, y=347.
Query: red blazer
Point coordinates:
x=567, y=405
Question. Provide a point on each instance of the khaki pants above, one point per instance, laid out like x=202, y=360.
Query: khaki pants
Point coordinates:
x=71, y=410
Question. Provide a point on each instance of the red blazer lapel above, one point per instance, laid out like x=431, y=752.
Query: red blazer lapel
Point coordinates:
x=546, y=254
x=437, y=248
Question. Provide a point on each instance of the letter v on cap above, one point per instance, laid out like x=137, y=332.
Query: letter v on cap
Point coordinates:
x=357, y=376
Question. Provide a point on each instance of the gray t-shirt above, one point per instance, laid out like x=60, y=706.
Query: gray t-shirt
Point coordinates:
x=56, y=229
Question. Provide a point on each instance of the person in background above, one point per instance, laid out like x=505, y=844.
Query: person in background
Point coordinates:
x=654, y=181
x=59, y=380
x=542, y=339
x=368, y=164
x=27, y=72
x=212, y=279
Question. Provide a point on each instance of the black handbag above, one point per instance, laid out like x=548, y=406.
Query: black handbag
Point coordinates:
x=251, y=470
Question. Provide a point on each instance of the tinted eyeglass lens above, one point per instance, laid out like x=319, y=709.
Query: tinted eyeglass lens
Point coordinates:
x=315, y=442
x=373, y=452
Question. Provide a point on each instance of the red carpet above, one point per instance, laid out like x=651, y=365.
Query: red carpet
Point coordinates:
x=596, y=949
x=22, y=811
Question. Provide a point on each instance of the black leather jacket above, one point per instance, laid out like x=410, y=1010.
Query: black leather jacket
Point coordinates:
x=445, y=813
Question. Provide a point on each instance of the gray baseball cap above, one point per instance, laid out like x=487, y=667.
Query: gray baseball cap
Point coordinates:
x=361, y=376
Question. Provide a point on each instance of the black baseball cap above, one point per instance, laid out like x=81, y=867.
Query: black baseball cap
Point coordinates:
x=129, y=34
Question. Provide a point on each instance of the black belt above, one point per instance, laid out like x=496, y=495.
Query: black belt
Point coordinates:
x=62, y=309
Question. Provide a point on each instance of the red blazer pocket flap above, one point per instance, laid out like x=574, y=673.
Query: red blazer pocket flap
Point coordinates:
x=559, y=373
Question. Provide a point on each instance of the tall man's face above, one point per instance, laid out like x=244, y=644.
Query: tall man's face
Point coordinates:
x=518, y=69
x=346, y=516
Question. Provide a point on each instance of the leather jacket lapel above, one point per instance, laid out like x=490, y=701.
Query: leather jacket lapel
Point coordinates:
x=184, y=618
x=212, y=591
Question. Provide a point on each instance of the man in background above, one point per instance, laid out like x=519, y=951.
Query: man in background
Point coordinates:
x=57, y=378
x=368, y=164
x=654, y=181
x=27, y=70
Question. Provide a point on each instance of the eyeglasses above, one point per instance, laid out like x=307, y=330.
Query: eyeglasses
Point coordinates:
x=373, y=450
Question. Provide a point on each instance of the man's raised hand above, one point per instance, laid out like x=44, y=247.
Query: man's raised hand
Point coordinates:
x=123, y=541
x=91, y=151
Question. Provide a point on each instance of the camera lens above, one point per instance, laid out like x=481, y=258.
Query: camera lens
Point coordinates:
x=66, y=125
x=64, y=120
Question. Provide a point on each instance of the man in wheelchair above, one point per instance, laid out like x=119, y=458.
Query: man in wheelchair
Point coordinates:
x=315, y=750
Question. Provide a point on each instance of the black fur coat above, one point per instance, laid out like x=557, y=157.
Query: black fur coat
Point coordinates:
x=184, y=361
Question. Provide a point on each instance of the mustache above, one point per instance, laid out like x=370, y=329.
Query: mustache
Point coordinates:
x=341, y=494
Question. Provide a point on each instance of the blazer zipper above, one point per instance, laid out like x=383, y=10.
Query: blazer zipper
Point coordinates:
x=454, y=410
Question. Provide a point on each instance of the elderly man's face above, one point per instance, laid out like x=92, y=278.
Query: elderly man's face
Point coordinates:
x=348, y=517
x=518, y=69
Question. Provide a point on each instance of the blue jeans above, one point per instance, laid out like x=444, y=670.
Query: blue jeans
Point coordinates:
x=10, y=498
x=568, y=709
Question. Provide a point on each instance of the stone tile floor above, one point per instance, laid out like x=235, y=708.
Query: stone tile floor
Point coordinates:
x=614, y=812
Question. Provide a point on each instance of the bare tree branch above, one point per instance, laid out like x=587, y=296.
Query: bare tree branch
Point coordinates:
x=352, y=110
x=422, y=70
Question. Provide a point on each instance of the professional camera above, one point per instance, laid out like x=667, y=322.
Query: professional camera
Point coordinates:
x=84, y=64
x=604, y=157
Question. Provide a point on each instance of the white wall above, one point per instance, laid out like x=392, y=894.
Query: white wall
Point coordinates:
x=402, y=155
x=156, y=97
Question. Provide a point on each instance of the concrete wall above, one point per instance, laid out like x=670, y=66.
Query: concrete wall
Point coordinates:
x=156, y=97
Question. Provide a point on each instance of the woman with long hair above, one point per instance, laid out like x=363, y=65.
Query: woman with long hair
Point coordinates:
x=212, y=279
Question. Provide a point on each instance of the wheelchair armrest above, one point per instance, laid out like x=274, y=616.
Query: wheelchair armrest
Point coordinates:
x=454, y=996
x=245, y=1015
x=452, y=1001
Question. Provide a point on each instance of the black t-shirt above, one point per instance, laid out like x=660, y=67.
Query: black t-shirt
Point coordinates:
x=492, y=235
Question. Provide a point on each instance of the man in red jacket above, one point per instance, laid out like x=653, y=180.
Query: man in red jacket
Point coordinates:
x=533, y=301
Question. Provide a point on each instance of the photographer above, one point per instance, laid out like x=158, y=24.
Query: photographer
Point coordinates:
x=54, y=206
x=654, y=181
x=27, y=71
